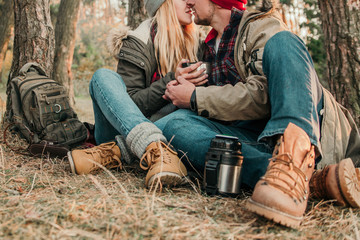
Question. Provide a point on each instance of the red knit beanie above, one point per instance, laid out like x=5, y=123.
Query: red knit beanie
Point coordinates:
x=229, y=4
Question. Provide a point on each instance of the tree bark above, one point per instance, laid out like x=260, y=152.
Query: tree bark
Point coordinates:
x=6, y=21
x=34, y=36
x=3, y=55
x=65, y=33
x=108, y=11
x=341, y=26
x=136, y=13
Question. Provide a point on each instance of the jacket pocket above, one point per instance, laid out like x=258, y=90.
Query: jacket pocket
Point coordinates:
x=66, y=132
x=130, y=56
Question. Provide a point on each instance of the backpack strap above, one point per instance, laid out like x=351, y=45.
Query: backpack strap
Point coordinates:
x=33, y=65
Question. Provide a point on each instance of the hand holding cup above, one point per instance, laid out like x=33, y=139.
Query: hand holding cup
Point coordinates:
x=194, y=72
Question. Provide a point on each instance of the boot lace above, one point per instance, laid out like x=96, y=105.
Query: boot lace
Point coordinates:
x=318, y=183
x=153, y=155
x=103, y=155
x=294, y=188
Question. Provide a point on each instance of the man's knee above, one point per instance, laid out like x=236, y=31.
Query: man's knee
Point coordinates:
x=284, y=44
x=283, y=40
x=285, y=49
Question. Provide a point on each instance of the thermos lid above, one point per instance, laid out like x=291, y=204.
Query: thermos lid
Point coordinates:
x=225, y=143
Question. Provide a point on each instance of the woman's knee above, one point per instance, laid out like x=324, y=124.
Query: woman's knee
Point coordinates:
x=105, y=77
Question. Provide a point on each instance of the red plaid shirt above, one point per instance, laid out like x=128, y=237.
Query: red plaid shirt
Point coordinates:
x=222, y=61
x=153, y=32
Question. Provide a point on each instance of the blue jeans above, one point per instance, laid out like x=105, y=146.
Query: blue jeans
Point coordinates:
x=295, y=95
x=192, y=135
x=114, y=110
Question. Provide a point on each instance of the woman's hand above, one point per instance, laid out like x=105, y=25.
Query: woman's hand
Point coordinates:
x=191, y=74
x=179, y=92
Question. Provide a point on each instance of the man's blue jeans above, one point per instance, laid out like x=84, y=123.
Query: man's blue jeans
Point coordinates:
x=295, y=95
x=114, y=110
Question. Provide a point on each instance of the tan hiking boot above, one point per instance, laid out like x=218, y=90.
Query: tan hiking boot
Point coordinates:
x=340, y=182
x=282, y=193
x=163, y=164
x=106, y=154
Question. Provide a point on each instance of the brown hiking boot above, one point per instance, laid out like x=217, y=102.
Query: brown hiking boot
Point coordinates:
x=337, y=181
x=163, y=164
x=106, y=154
x=282, y=193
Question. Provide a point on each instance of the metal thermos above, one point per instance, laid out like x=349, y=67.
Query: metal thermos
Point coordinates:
x=223, y=166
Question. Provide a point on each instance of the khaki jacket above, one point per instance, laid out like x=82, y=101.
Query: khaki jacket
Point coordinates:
x=339, y=134
x=249, y=101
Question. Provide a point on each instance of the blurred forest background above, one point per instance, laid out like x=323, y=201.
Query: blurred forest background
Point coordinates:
x=76, y=39
x=41, y=199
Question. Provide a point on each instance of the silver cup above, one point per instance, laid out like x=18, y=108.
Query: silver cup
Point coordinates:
x=206, y=66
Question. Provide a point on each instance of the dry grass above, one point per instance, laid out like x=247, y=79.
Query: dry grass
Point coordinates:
x=41, y=199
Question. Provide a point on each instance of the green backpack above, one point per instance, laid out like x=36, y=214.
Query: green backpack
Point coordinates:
x=40, y=109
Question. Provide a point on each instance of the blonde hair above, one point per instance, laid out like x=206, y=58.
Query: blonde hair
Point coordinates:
x=173, y=42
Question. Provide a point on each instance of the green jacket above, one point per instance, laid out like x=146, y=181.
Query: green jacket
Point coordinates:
x=136, y=65
x=339, y=135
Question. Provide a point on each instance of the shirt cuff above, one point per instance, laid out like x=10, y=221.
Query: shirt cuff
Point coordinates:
x=193, y=105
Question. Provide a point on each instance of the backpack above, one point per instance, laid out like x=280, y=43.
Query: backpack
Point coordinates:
x=40, y=109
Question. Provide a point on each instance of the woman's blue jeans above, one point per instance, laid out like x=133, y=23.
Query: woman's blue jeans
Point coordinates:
x=295, y=95
x=114, y=110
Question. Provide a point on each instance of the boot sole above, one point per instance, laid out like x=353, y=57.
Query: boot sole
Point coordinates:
x=273, y=214
x=71, y=162
x=168, y=179
x=348, y=182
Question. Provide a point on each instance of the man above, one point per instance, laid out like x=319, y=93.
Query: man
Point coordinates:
x=263, y=89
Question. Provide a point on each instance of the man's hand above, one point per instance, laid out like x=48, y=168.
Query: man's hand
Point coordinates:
x=191, y=74
x=179, y=92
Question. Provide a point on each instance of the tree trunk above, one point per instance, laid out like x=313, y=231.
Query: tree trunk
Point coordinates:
x=6, y=21
x=108, y=11
x=3, y=55
x=65, y=33
x=136, y=13
x=34, y=36
x=341, y=26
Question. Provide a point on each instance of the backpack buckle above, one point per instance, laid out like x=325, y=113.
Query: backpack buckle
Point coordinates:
x=57, y=106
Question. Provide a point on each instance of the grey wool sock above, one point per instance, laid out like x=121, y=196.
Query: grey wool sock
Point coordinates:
x=126, y=155
x=141, y=136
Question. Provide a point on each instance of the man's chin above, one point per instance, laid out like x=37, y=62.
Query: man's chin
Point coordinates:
x=202, y=22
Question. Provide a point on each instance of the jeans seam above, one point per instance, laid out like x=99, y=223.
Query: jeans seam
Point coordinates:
x=265, y=145
x=122, y=125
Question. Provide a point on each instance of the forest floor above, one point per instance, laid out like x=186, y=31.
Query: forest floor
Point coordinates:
x=41, y=199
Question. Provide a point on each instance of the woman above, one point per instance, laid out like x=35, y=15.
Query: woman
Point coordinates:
x=123, y=101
